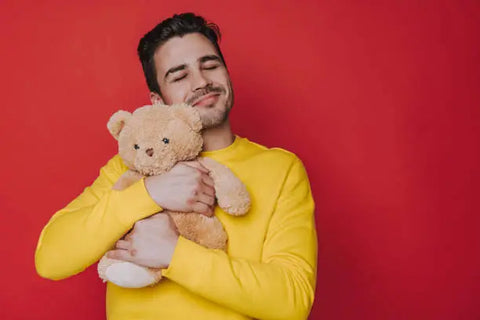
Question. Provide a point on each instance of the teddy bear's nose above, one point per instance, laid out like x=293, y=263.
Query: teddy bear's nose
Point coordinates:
x=149, y=152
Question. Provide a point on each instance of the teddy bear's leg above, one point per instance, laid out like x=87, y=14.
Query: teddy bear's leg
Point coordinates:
x=127, y=179
x=232, y=195
x=126, y=274
x=206, y=231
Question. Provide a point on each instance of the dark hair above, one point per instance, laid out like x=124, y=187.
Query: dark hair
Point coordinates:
x=176, y=26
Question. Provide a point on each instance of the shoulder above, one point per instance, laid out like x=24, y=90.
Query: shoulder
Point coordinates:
x=274, y=154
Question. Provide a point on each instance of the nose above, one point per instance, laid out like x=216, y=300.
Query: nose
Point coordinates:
x=149, y=152
x=200, y=80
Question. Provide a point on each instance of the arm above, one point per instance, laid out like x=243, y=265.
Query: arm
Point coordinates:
x=78, y=235
x=127, y=179
x=282, y=285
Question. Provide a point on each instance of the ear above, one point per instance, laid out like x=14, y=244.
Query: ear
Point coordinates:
x=117, y=122
x=156, y=99
x=188, y=114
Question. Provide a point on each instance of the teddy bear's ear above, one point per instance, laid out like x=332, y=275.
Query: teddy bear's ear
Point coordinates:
x=188, y=114
x=117, y=122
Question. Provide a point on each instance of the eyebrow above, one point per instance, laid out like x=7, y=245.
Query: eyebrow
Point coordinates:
x=203, y=59
x=175, y=69
x=209, y=58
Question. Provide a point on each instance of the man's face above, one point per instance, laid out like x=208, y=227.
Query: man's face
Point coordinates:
x=190, y=70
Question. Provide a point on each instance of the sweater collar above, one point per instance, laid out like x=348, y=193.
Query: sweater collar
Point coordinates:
x=224, y=153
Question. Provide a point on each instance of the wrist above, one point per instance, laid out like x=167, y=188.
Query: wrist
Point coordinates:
x=171, y=251
x=153, y=190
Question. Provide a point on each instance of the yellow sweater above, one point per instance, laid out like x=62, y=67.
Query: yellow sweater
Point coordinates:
x=269, y=271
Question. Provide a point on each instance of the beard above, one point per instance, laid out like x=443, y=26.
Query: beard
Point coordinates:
x=212, y=116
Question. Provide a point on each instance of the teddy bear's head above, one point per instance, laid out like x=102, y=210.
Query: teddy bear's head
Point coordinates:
x=153, y=139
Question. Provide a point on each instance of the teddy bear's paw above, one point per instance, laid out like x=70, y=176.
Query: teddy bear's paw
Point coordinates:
x=129, y=275
x=231, y=193
x=236, y=202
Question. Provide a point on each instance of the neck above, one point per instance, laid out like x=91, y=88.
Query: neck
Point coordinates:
x=218, y=137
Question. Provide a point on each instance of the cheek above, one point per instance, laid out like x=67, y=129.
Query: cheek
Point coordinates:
x=221, y=77
x=176, y=93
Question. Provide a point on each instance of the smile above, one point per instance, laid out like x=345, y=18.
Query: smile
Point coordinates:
x=206, y=99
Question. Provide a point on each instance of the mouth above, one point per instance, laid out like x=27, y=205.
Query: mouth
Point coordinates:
x=206, y=99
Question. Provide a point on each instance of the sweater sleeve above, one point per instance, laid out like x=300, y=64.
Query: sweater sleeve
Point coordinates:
x=282, y=284
x=79, y=234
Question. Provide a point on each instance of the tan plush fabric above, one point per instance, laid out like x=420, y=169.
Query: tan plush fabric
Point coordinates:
x=151, y=141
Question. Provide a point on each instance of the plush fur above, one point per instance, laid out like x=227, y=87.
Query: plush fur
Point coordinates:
x=151, y=141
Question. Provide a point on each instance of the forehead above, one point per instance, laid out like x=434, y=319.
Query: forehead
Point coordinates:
x=182, y=50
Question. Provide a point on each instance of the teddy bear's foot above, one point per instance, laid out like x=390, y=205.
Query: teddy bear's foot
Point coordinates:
x=126, y=274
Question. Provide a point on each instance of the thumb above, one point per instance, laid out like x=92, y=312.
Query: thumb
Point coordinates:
x=119, y=254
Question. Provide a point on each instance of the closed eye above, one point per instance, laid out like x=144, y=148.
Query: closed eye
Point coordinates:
x=210, y=67
x=180, y=78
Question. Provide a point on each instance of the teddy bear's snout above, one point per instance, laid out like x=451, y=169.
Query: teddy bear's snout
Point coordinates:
x=149, y=152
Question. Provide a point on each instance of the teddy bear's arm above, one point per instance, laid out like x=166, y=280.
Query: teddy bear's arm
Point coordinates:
x=232, y=195
x=127, y=179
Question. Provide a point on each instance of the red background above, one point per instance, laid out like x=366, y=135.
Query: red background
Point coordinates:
x=380, y=99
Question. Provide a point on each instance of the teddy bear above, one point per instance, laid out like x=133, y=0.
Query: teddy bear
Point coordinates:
x=151, y=141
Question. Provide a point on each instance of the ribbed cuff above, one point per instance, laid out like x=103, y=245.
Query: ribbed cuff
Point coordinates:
x=187, y=262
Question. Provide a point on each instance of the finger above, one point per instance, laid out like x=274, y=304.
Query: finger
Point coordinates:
x=126, y=236
x=207, y=180
x=202, y=208
x=197, y=165
x=122, y=244
x=207, y=199
x=120, y=254
x=208, y=190
x=207, y=162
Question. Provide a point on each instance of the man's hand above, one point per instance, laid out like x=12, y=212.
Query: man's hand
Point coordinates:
x=151, y=243
x=187, y=187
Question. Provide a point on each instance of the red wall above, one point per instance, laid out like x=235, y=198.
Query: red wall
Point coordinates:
x=380, y=99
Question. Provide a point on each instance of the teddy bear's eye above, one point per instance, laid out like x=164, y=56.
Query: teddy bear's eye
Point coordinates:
x=166, y=140
x=136, y=147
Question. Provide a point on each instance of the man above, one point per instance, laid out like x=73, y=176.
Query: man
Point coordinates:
x=269, y=270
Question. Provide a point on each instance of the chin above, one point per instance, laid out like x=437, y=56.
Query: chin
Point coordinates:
x=213, y=117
